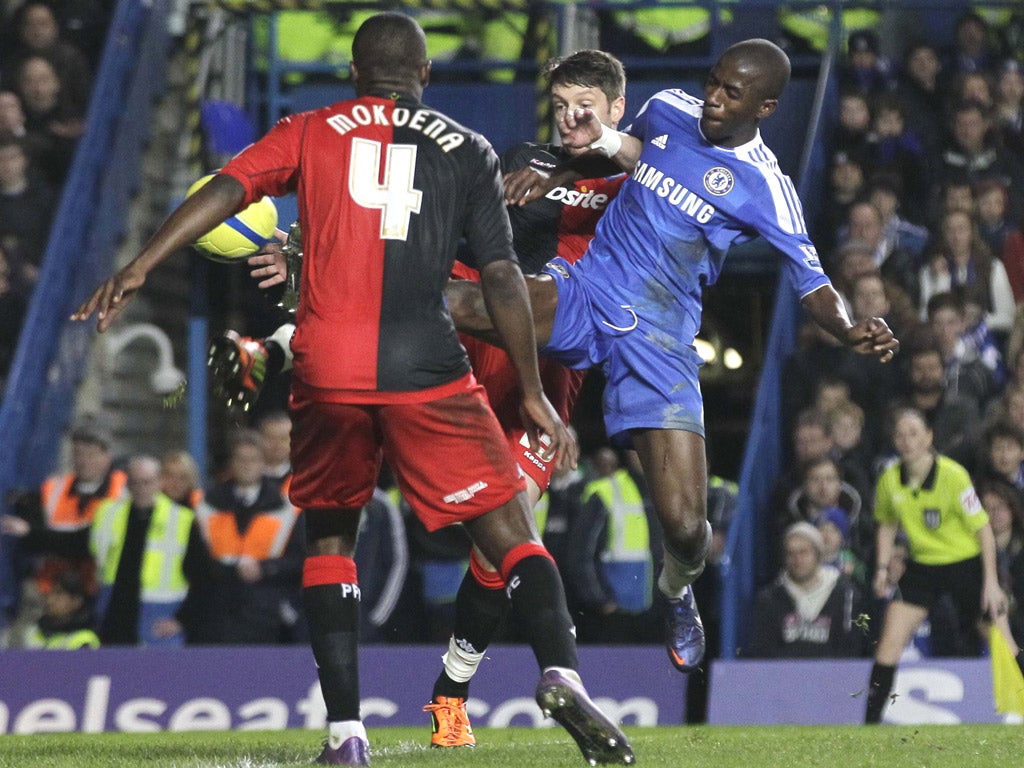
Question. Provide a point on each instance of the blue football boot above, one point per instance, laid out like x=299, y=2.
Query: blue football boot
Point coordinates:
x=684, y=632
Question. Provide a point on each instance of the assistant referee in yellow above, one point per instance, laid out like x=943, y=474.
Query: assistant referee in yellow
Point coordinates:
x=952, y=548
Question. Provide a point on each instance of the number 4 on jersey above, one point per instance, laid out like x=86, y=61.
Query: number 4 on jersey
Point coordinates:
x=397, y=198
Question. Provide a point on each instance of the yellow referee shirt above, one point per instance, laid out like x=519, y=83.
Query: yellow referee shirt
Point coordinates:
x=941, y=518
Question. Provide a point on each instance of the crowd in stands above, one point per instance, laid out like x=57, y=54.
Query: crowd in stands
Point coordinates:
x=921, y=224
x=48, y=53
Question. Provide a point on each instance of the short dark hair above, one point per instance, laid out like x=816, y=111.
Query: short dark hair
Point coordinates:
x=589, y=68
x=1007, y=429
x=945, y=300
x=389, y=43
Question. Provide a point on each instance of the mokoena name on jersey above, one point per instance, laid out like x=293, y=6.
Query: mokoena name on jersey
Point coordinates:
x=425, y=121
x=678, y=195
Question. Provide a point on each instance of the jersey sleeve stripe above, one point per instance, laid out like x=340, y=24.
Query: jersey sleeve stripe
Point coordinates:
x=788, y=213
x=681, y=100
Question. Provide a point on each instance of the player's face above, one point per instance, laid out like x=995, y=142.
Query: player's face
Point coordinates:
x=565, y=98
x=733, y=103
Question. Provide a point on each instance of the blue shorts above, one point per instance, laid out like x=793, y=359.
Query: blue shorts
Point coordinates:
x=652, y=380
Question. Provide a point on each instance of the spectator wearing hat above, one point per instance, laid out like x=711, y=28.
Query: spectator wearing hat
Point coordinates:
x=812, y=609
x=52, y=527
x=866, y=70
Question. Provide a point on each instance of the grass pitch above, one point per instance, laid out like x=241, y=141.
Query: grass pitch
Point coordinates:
x=964, y=746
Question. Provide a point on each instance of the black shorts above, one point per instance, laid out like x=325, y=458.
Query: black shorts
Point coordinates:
x=923, y=585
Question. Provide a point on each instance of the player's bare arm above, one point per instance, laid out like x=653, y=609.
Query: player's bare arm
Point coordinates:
x=868, y=337
x=527, y=183
x=579, y=129
x=505, y=296
x=207, y=208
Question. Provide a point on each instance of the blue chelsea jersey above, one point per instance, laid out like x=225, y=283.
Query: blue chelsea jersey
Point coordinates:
x=667, y=233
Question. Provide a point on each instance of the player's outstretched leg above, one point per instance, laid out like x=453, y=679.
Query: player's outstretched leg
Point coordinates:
x=506, y=537
x=684, y=630
x=480, y=608
x=560, y=695
x=238, y=367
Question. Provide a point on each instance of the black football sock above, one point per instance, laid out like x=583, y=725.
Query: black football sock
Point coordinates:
x=479, y=612
x=538, y=603
x=332, y=611
x=879, y=689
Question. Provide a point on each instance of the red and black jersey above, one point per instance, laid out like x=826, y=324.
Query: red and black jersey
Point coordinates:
x=386, y=187
x=561, y=223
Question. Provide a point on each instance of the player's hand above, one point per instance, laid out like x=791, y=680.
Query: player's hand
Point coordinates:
x=539, y=417
x=269, y=265
x=578, y=128
x=111, y=298
x=527, y=184
x=873, y=337
x=521, y=182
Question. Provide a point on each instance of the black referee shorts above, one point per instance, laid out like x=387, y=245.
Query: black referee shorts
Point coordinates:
x=923, y=585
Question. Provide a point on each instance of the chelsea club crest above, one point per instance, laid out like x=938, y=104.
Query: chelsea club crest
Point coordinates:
x=718, y=181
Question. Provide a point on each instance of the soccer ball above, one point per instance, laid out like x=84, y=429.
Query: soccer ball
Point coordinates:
x=240, y=236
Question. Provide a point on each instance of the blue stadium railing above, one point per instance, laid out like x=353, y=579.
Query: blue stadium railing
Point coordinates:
x=52, y=353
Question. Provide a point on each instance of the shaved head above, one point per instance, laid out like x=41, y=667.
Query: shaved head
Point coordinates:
x=388, y=47
x=764, y=58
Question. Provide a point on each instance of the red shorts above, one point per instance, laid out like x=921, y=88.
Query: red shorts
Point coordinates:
x=449, y=456
x=493, y=369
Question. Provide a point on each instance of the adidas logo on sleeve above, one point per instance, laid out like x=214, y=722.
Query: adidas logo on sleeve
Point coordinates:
x=660, y=141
